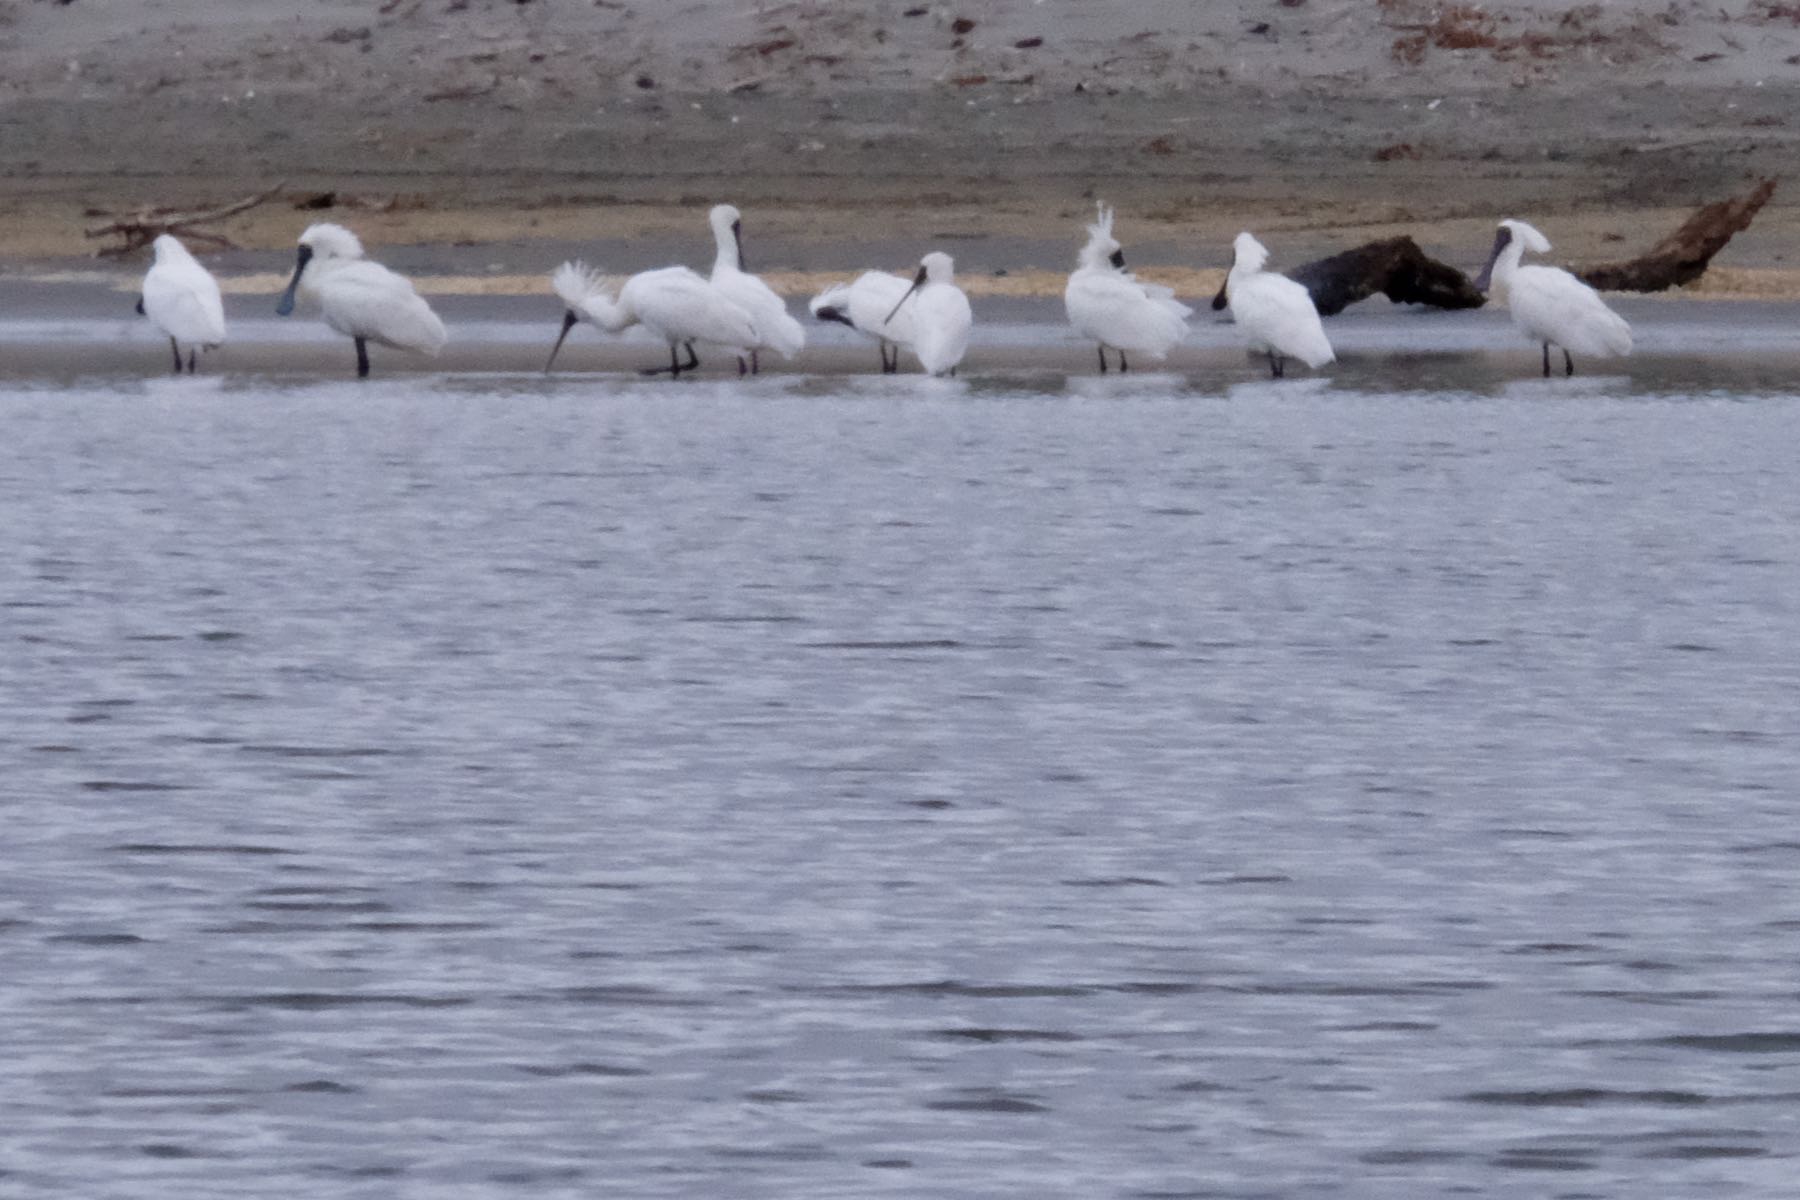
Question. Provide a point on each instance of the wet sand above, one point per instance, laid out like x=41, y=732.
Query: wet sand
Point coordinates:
x=59, y=331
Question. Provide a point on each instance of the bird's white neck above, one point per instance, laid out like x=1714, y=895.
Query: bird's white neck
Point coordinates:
x=729, y=254
x=609, y=314
x=1248, y=257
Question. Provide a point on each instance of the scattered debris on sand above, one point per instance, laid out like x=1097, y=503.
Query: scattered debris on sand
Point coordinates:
x=141, y=226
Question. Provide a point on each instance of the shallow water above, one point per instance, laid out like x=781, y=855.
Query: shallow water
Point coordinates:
x=1187, y=785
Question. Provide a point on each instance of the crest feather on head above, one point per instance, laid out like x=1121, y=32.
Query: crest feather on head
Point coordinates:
x=1534, y=241
x=331, y=240
x=574, y=282
x=1101, y=229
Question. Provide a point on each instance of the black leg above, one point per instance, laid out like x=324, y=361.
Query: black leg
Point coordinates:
x=755, y=364
x=1546, y=360
x=890, y=359
x=1568, y=364
x=1103, y=360
x=676, y=366
x=192, y=355
x=1276, y=366
x=743, y=370
x=362, y=358
x=1123, y=365
x=173, y=345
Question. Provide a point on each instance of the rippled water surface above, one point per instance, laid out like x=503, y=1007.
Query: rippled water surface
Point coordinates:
x=1021, y=787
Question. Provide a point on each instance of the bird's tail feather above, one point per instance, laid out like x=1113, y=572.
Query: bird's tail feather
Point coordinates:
x=832, y=304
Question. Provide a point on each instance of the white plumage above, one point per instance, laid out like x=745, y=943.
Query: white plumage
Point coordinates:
x=1107, y=303
x=1276, y=315
x=941, y=316
x=361, y=299
x=583, y=293
x=863, y=303
x=676, y=304
x=1548, y=304
x=181, y=298
x=776, y=328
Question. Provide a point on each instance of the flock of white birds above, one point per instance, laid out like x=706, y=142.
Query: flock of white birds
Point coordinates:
x=733, y=310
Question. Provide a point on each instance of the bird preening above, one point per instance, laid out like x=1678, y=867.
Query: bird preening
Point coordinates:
x=941, y=315
x=1109, y=305
x=182, y=299
x=1276, y=316
x=926, y=314
x=870, y=304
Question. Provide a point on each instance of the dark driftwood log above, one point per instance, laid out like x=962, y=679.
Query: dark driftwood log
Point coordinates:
x=1682, y=256
x=1396, y=268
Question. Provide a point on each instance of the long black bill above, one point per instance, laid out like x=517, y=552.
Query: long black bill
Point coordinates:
x=1224, y=298
x=1118, y=259
x=569, y=319
x=918, y=282
x=737, y=235
x=1486, y=278
x=287, y=298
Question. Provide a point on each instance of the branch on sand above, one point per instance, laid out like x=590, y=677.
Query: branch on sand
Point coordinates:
x=142, y=226
x=1682, y=257
x=1395, y=267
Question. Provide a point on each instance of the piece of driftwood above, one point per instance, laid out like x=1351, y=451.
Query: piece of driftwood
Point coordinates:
x=1394, y=267
x=1683, y=255
x=142, y=226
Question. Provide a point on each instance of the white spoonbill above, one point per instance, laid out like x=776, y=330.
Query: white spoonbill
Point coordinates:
x=862, y=304
x=1276, y=314
x=1109, y=304
x=181, y=298
x=361, y=299
x=775, y=329
x=1548, y=304
x=941, y=316
x=674, y=303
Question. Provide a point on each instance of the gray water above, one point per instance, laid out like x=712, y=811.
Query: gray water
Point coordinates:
x=1015, y=787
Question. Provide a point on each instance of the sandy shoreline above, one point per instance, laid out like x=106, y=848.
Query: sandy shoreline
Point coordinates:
x=496, y=138
x=1191, y=284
